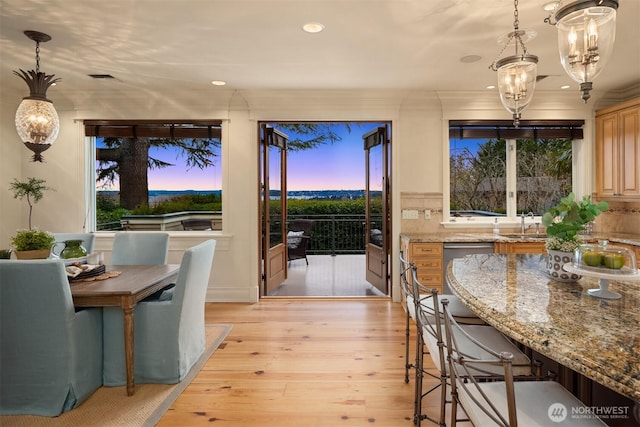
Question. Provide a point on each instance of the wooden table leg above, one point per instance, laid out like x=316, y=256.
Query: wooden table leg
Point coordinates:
x=128, y=348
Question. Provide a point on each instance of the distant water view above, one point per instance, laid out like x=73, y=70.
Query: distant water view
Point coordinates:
x=159, y=195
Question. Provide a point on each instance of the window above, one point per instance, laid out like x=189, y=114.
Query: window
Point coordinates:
x=157, y=175
x=496, y=170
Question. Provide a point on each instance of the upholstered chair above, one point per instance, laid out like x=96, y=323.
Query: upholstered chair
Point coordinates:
x=137, y=248
x=169, y=332
x=50, y=355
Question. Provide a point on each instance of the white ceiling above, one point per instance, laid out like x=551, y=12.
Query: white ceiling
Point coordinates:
x=181, y=45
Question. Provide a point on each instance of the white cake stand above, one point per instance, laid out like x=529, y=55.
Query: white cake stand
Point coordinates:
x=603, y=277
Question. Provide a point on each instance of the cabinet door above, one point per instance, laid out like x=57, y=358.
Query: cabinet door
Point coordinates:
x=629, y=145
x=607, y=155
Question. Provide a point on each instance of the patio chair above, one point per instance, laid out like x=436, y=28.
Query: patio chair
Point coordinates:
x=298, y=238
x=196, y=224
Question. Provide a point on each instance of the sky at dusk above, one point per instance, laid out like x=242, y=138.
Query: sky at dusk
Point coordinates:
x=338, y=166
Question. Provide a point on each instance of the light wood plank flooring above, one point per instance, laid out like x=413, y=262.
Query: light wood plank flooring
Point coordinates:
x=311, y=363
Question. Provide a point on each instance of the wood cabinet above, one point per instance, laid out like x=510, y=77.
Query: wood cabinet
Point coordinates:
x=520, y=248
x=427, y=257
x=618, y=151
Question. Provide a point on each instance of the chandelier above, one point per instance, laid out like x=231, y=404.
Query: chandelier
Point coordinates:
x=37, y=121
x=516, y=73
x=586, y=34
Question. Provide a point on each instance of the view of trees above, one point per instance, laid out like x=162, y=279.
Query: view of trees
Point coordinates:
x=478, y=179
x=128, y=160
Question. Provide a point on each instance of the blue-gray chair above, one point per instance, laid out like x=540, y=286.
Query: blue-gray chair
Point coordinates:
x=137, y=248
x=169, y=332
x=88, y=239
x=50, y=355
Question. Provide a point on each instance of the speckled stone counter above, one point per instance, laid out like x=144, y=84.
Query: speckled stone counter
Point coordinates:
x=630, y=239
x=597, y=338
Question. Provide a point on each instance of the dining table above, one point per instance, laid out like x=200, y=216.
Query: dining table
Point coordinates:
x=124, y=286
x=597, y=338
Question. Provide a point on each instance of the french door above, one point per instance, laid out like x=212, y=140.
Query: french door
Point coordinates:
x=273, y=205
x=377, y=149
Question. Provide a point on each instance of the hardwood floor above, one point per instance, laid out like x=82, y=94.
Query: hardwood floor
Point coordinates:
x=302, y=363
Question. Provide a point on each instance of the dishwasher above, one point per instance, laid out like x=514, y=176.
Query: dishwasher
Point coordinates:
x=453, y=250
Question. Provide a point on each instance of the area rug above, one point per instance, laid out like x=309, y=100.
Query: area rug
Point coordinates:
x=110, y=406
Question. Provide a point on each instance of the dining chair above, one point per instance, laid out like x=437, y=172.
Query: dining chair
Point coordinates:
x=88, y=239
x=137, y=248
x=50, y=354
x=505, y=402
x=431, y=337
x=169, y=332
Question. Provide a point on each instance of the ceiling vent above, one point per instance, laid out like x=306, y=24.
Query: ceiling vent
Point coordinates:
x=101, y=76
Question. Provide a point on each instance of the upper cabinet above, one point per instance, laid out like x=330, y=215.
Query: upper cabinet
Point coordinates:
x=618, y=151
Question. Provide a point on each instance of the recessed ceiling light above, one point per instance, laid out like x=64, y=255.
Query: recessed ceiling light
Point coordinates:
x=565, y=87
x=313, y=27
x=470, y=58
x=491, y=87
x=218, y=83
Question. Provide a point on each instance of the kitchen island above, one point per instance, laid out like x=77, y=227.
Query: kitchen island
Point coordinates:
x=599, y=339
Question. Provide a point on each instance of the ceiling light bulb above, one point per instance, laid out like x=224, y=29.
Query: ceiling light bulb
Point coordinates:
x=313, y=27
x=218, y=83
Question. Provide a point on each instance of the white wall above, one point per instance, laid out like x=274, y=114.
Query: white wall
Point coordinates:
x=419, y=124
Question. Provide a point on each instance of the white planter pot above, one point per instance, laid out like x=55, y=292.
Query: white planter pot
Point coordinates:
x=555, y=261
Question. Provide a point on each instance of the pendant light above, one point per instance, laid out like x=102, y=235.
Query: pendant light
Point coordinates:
x=516, y=73
x=586, y=34
x=37, y=121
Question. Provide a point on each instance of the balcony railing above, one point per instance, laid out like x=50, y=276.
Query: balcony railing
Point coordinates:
x=331, y=234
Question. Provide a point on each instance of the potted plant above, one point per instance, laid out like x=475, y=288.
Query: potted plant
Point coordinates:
x=32, y=244
x=32, y=189
x=563, y=222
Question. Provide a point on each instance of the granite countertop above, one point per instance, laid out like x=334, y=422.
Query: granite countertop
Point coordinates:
x=629, y=239
x=596, y=337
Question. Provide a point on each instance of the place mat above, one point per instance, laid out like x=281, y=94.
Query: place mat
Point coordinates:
x=103, y=276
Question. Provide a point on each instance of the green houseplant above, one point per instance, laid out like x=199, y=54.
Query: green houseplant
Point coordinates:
x=33, y=189
x=563, y=222
x=32, y=244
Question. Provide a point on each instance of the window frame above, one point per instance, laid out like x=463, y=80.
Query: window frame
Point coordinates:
x=92, y=127
x=579, y=158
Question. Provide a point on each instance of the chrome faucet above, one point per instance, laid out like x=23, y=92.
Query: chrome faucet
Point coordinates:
x=522, y=227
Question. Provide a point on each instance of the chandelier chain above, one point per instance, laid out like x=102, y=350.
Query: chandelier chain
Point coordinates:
x=516, y=21
x=37, y=57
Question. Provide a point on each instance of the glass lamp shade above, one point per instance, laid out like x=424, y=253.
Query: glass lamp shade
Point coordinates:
x=586, y=35
x=37, y=124
x=517, y=82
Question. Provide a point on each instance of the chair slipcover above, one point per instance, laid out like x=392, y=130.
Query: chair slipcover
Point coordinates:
x=169, y=333
x=50, y=355
x=88, y=239
x=133, y=248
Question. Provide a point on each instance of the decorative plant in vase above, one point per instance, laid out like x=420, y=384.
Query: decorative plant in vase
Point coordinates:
x=32, y=244
x=36, y=243
x=563, y=222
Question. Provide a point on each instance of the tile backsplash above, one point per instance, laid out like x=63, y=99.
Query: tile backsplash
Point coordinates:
x=621, y=217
